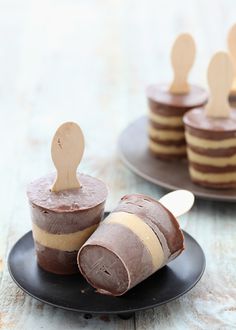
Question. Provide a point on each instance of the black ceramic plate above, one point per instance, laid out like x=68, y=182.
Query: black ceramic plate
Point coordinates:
x=133, y=146
x=72, y=292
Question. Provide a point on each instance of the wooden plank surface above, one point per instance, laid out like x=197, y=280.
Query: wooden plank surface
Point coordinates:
x=90, y=61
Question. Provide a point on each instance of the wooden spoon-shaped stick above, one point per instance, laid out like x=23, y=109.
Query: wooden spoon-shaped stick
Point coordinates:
x=232, y=51
x=67, y=150
x=182, y=59
x=220, y=77
x=178, y=202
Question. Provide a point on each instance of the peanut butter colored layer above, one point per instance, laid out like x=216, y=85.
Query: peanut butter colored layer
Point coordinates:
x=213, y=161
x=143, y=231
x=165, y=134
x=210, y=144
x=163, y=120
x=166, y=149
x=63, y=242
x=213, y=177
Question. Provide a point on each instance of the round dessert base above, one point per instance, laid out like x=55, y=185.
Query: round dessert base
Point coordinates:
x=72, y=292
x=68, y=268
x=134, y=151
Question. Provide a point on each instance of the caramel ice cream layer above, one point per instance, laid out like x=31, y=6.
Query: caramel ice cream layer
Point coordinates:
x=165, y=135
x=212, y=161
x=209, y=144
x=166, y=120
x=213, y=177
x=63, y=242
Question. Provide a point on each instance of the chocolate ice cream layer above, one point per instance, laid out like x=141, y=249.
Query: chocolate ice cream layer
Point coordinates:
x=56, y=261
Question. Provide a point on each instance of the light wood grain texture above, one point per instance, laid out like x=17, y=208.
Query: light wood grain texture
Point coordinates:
x=182, y=59
x=232, y=51
x=220, y=78
x=67, y=150
x=89, y=62
x=178, y=202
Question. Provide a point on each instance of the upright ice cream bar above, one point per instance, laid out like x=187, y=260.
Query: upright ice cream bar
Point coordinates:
x=166, y=111
x=62, y=221
x=139, y=237
x=169, y=102
x=66, y=207
x=211, y=149
x=211, y=132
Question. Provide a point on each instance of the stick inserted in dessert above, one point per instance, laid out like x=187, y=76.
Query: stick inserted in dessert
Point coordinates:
x=211, y=132
x=232, y=51
x=169, y=102
x=65, y=207
x=139, y=237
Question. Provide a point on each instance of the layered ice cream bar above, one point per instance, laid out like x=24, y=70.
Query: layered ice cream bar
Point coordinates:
x=166, y=110
x=139, y=237
x=211, y=148
x=62, y=221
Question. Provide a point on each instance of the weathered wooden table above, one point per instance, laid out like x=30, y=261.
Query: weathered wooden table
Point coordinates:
x=89, y=61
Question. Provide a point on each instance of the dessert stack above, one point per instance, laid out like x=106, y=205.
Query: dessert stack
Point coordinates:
x=169, y=102
x=66, y=207
x=211, y=132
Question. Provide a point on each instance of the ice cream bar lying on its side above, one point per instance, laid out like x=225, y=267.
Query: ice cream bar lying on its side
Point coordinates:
x=139, y=237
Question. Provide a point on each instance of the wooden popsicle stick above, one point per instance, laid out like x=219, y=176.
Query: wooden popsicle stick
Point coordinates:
x=182, y=59
x=220, y=77
x=232, y=51
x=178, y=202
x=67, y=150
